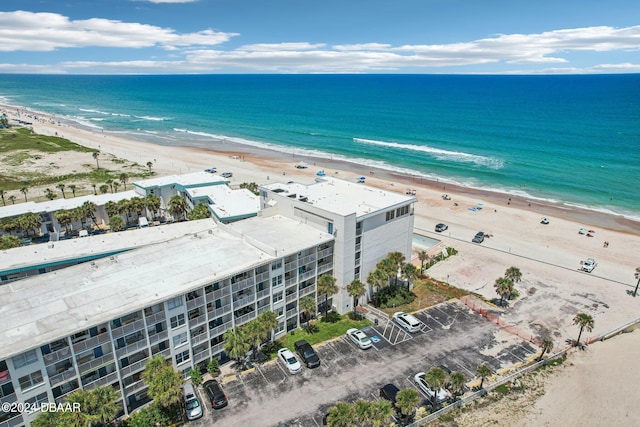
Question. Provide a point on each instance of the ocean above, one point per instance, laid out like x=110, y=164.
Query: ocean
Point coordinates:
x=569, y=139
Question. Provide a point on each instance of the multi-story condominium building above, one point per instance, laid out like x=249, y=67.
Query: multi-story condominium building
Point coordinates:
x=98, y=323
x=367, y=223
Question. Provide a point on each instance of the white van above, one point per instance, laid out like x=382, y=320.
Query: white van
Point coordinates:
x=192, y=406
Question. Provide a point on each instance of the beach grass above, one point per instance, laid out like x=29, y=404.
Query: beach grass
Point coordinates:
x=13, y=139
x=429, y=292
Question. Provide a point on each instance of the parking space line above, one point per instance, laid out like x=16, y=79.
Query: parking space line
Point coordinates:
x=516, y=356
x=262, y=373
x=460, y=365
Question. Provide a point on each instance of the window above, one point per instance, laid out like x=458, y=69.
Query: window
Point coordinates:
x=178, y=340
x=277, y=297
x=402, y=211
x=390, y=215
x=177, y=321
x=275, y=281
x=6, y=389
x=30, y=380
x=25, y=359
x=330, y=228
x=276, y=264
x=174, y=302
x=182, y=357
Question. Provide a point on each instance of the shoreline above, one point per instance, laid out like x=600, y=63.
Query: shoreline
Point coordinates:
x=594, y=217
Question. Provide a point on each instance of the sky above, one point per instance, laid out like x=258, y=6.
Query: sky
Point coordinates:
x=320, y=36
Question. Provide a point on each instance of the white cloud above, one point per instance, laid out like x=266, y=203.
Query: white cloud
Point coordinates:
x=24, y=31
x=277, y=47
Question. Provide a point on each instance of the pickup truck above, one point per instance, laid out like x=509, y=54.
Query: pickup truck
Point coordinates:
x=589, y=265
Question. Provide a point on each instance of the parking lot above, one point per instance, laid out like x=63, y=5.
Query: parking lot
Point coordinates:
x=452, y=335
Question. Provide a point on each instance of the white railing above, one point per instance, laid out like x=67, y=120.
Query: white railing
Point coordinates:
x=57, y=355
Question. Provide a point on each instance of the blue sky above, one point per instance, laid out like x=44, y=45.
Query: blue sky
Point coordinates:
x=321, y=36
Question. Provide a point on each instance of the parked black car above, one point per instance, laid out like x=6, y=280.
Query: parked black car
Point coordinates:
x=215, y=394
x=307, y=354
x=389, y=392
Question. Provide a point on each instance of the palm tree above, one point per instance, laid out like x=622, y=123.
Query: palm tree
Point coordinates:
x=124, y=178
x=64, y=219
x=85, y=400
x=106, y=406
x=115, y=186
x=73, y=187
x=104, y=189
x=327, y=286
x=152, y=204
x=61, y=188
x=95, y=156
x=436, y=378
x=109, y=182
x=268, y=320
x=235, y=343
x=254, y=336
x=513, y=274
x=457, y=380
x=504, y=288
x=200, y=211
x=12, y=199
x=389, y=268
x=29, y=221
x=585, y=322
x=308, y=306
x=407, y=400
x=341, y=415
x=381, y=413
x=2, y=193
x=149, y=165
x=116, y=223
x=177, y=206
x=636, y=275
x=165, y=383
x=24, y=190
x=363, y=411
x=483, y=371
x=89, y=211
x=423, y=256
x=49, y=194
x=95, y=193
x=409, y=272
x=547, y=345
x=376, y=279
x=356, y=289
x=111, y=208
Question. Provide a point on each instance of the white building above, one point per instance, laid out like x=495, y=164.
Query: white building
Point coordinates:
x=98, y=323
x=367, y=223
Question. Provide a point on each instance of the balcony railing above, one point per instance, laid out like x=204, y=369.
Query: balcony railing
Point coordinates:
x=307, y=259
x=127, y=329
x=94, y=363
x=155, y=318
x=132, y=347
x=132, y=388
x=244, y=301
x=62, y=377
x=292, y=312
x=292, y=297
x=107, y=379
x=263, y=293
x=215, y=313
x=217, y=349
x=198, y=357
x=262, y=277
x=219, y=329
x=324, y=268
x=290, y=281
x=218, y=293
x=197, y=320
x=135, y=367
x=244, y=319
x=13, y=422
x=263, y=309
x=307, y=290
x=195, y=303
x=158, y=337
x=91, y=343
x=243, y=284
x=323, y=253
x=56, y=356
x=9, y=399
x=306, y=275
x=199, y=338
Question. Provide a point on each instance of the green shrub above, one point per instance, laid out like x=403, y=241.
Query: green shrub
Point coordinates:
x=393, y=296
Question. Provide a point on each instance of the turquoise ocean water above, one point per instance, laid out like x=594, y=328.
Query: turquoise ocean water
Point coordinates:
x=570, y=139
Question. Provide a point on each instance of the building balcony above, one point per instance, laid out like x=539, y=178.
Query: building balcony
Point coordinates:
x=106, y=380
x=263, y=293
x=307, y=274
x=307, y=290
x=291, y=281
x=158, y=337
x=262, y=277
x=135, y=387
x=95, y=363
x=156, y=318
x=203, y=355
x=199, y=338
x=293, y=312
x=9, y=399
x=244, y=319
x=137, y=366
x=219, y=329
x=57, y=355
x=197, y=320
x=62, y=376
x=197, y=302
x=216, y=349
x=291, y=297
x=127, y=329
x=324, y=268
x=263, y=308
x=13, y=422
x=243, y=284
x=131, y=348
x=243, y=301
x=325, y=252
x=217, y=312
x=307, y=259
x=91, y=343
x=218, y=293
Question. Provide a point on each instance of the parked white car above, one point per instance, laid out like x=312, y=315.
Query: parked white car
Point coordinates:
x=420, y=380
x=289, y=360
x=359, y=338
x=589, y=265
x=407, y=321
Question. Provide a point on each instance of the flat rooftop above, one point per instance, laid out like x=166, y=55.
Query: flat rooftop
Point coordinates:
x=44, y=308
x=340, y=196
x=183, y=180
x=226, y=202
x=52, y=253
x=68, y=203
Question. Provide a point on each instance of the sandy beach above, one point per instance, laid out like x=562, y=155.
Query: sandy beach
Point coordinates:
x=552, y=289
